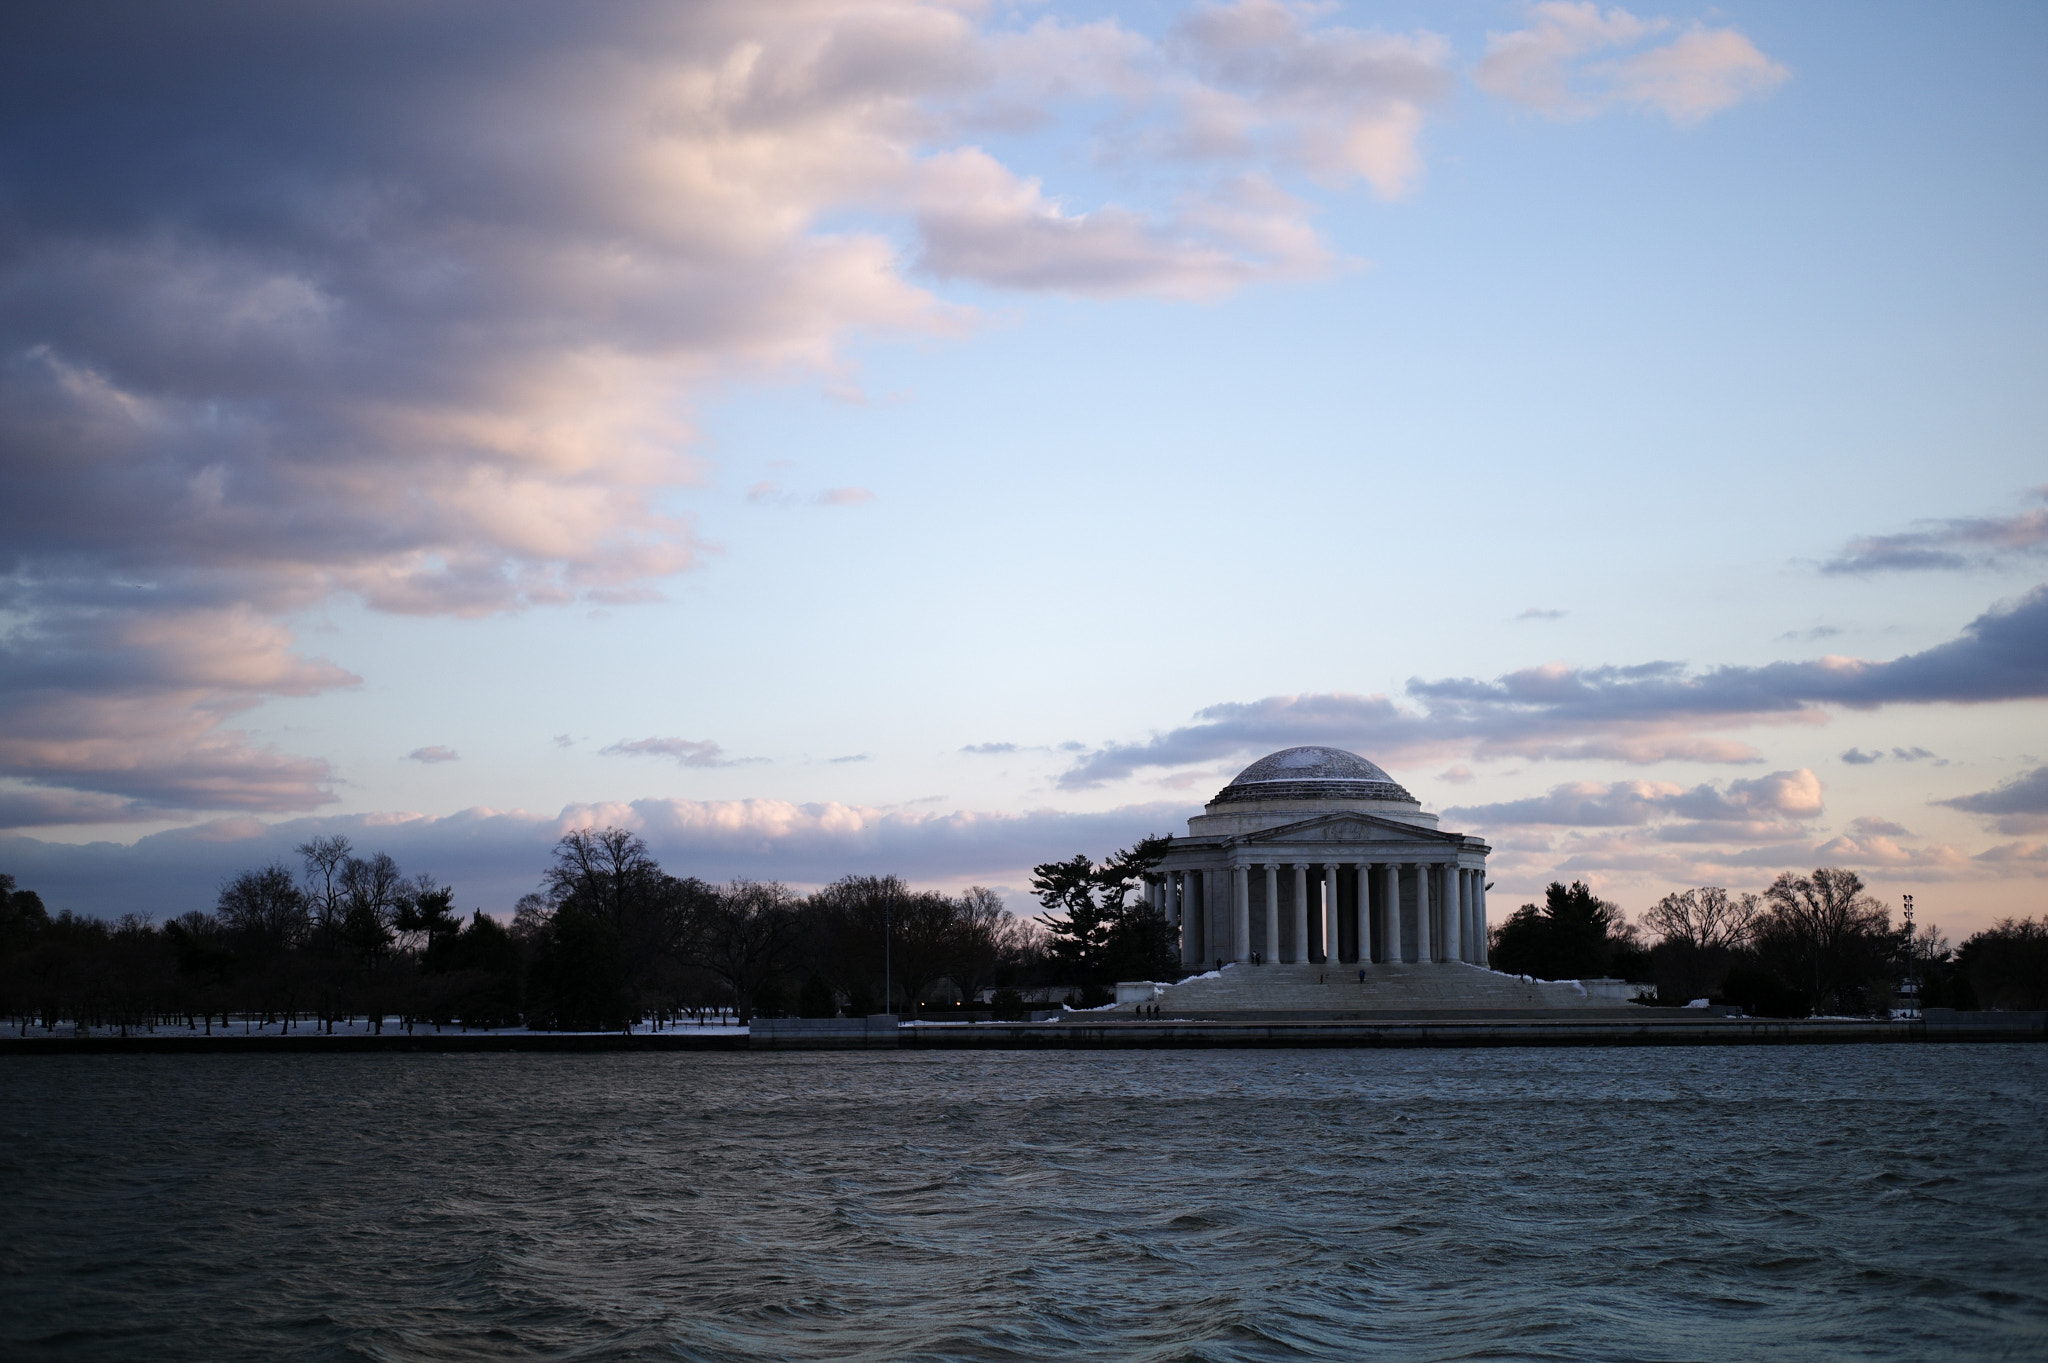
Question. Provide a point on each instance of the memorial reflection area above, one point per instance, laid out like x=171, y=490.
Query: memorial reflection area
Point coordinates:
x=1315, y=855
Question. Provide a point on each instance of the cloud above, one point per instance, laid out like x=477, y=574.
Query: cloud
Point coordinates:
x=769, y=492
x=1458, y=775
x=1656, y=832
x=408, y=305
x=1343, y=102
x=563, y=741
x=436, y=753
x=852, y=757
x=2018, y=806
x=1954, y=544
x=982, y=222
x=1877, y=828
x=687, y=752
x=990, y=747
x=1856, y=757
x=31, y=807
x=1697, y=75
x=1538, y=613
x=107, y=698
x=2020, y=855
x=1556, y=67
x=1642, y=713
x=492, y=857
x=1771, y=805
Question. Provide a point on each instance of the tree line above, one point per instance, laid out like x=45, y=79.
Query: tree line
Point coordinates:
x=609, y=940
x=1808, y=945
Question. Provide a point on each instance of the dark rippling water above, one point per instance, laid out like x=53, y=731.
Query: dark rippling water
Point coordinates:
x=1811, y=1202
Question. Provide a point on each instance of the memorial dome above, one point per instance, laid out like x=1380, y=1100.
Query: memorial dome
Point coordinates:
x=1312, y=774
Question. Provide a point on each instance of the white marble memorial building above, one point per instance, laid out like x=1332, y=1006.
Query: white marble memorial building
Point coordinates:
x=1316, y=855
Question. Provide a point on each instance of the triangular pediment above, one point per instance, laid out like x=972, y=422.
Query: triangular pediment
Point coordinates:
x=1348, y=827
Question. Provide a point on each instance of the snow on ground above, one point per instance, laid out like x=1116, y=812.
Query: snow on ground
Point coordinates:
x=362, y=1027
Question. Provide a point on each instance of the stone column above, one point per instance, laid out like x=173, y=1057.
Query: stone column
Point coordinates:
x=1241, y=949
x=1272, y=911
x=1214, y=887
x=1361, y=918
x=1330, y=938
x=1190, y=888
x=1425, y=940
x=1454, y=908
x=1390, y=913
x=1300, y=911
x=1472, y=916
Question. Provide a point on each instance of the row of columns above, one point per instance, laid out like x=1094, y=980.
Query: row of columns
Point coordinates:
x=1182, y=898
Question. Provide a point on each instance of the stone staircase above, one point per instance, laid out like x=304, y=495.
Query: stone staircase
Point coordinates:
x=1312, y=989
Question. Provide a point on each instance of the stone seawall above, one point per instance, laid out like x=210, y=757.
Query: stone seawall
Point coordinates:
x=1073, y=1034
x=568, y=1042
x=1445, y=1033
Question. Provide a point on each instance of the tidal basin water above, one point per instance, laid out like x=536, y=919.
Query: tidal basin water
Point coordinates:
x=1810, y=1202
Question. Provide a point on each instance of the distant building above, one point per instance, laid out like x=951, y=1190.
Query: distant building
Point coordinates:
x=1317, y=855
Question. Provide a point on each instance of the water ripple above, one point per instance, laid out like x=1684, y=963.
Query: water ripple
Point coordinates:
x=1829, y=1203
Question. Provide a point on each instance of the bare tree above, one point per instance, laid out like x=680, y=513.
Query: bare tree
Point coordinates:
x=1828, y=925
x=746, y=934
x=264, y=908
x=1705, y=919
x=985, y=935
x=530, y=917
x=373, y=889
x=603, y=869
x=325, y=857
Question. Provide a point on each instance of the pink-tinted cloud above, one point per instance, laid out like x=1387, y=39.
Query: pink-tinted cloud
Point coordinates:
x=408, y=305
x=1564, y=64
x=494, y=856
x=2018, y=806
x=1343, y=102
x=1957, y=543
x=1776, y=806
x=110, y=711
x=984, y=223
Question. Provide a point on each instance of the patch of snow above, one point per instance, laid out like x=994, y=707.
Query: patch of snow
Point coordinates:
x=1701, y=1003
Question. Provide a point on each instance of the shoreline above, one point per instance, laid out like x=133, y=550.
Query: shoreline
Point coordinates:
x=1437, y=1032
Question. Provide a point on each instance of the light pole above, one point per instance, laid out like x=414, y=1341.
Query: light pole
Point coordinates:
x=888, y=942
x=1911, y=988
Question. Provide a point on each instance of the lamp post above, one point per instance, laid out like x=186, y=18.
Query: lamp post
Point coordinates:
x=888, y=942
x=1909, y=991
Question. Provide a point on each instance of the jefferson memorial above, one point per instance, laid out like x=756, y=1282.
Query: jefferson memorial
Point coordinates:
x=1316, y=856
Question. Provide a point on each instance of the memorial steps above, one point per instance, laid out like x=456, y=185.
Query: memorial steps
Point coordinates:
x=1442, y=987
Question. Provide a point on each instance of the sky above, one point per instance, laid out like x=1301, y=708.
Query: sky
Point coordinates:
x=902, y=436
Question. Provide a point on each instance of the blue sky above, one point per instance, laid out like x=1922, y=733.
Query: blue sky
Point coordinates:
x=939, y=438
